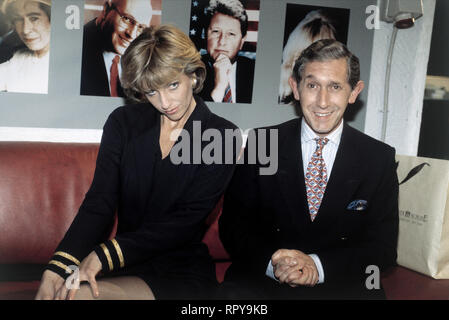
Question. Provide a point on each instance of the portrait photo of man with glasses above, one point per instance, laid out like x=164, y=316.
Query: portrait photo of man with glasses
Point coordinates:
x=105, y=39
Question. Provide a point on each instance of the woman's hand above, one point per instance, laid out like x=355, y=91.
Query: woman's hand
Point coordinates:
x=51, y=283
x=89, y=268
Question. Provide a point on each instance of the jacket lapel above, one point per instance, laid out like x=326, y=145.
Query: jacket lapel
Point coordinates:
x=344, y=178
x=291, y=175
x=343, y=181
x=146, y=151
x=148, y=154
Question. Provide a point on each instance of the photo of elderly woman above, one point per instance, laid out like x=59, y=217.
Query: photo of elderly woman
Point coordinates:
x=27, y=68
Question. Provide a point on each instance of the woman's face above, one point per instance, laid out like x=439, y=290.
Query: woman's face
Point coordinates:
x=175, y=101
x=33, y=27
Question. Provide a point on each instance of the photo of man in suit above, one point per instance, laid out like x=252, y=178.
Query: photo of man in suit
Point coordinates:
x=317, y=227
x=229, y=75
x=105, y=39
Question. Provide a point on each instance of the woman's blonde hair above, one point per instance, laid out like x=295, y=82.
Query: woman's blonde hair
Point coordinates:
x=156, y=58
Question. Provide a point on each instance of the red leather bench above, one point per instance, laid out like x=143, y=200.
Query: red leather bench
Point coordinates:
x=42, y=185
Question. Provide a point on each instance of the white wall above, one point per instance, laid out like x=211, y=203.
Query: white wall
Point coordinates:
x=50, y=134
x=408, y=74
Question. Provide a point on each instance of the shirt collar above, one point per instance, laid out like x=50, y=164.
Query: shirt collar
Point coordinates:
x=110, y=55
x=307, y=134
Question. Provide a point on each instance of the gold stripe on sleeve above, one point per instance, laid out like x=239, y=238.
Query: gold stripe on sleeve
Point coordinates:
x=119, y=252
x=108, y=256
x=68, y=257
x=61, y=265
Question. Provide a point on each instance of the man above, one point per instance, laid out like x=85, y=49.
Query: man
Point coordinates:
x=229, y=76
x=106, y=39
x=318, y=227
x=27, y=69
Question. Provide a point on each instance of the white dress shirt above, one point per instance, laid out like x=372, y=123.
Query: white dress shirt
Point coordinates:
x=308, y=146
x=232, y=81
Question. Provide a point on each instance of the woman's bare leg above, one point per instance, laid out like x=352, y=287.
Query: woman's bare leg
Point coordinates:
x=119, y=288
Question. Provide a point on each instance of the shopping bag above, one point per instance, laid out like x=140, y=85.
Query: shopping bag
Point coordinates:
x=423, y=243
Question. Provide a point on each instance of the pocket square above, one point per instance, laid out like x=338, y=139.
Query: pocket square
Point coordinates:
x=358, y=205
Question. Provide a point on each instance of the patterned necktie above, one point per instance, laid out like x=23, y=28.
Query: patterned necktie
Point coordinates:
x=316, y=178
x=114, y=76
x=228, y=94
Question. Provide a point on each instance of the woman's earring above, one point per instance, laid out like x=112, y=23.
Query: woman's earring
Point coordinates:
x=194, y=82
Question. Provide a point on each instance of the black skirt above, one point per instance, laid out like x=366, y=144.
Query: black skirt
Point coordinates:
x=177, y=275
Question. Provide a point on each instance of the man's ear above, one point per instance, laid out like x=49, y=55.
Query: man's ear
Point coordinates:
x=294, y=85
x=107, y=6
x=356, y=91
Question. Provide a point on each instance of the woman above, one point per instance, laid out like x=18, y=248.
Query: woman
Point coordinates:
x=27, y=70
x=157, y=252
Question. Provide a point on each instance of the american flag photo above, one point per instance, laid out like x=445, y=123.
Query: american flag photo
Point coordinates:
x=198, y=27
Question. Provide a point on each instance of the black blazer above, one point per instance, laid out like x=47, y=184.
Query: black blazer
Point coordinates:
x=94, y=77
x=155, y=220
x=243, y=82
x=262, y=214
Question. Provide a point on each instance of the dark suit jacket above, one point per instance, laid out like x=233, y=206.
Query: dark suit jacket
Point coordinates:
x=244, y=79
x=265, y=213
x=161, y=212
x=94, y=77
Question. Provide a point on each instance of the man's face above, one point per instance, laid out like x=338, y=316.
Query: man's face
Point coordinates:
x=324, y=94
x=33, y=27
x=126, y=19
x=224, y=36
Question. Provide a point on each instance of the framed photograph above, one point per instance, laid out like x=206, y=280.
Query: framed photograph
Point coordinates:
x=25, y=33
x=304, y=25
x=110, y=26
x=225, y=32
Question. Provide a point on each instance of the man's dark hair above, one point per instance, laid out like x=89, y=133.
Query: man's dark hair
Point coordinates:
x=325, y=50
